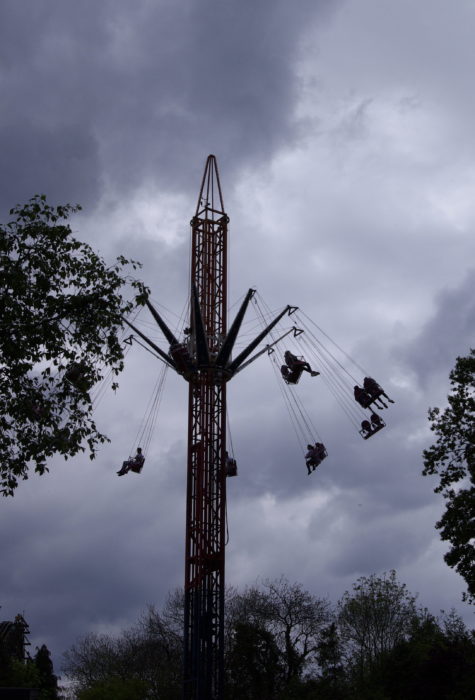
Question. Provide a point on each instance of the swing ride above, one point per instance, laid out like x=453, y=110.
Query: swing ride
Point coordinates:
x=202, y=353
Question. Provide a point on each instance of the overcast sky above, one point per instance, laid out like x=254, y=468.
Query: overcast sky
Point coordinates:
x=345, y=137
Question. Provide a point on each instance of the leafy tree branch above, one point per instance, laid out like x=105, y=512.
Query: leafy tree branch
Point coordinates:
x=61, y=310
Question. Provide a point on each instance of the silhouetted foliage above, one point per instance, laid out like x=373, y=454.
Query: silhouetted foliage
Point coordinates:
x=19, y=674
x=60, y=319
x=282, y=643
x=149, y=654
x=374, y=617
x=115, y=689
x=330, y=661
x=293, y=616
x=48, y=682
x=430, y=663
x=254, y=669
x=452, y=458
x=29, y=673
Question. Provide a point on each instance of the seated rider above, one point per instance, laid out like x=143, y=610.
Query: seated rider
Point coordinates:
x=375, y=390
x=293, y=362
x=134, y=464
x=314, y=456
x=362, y=397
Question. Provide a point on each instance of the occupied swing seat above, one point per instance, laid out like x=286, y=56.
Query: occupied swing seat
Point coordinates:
x=136, y=468
x=320, y=453
x=291, y=376
x=231, y=466
x=376, y=391
x=133, y=464
x=182, y=358
x=35, y=410
x=371, y=393
x=362, y=397
x=76, y=375
x=375, y=395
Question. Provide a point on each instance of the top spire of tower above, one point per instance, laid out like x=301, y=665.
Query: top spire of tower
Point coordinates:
x=210, y=199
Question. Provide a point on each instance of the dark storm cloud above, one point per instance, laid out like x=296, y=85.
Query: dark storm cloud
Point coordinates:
x=110, y=99
x=95, y=94
x=38, y=160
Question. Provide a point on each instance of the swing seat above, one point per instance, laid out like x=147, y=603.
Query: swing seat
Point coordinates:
x=324, y=456
x=365, y=400
x=75, y=376
x=231, y=468
x=35, y=410
x=136, y=469
x=365, y=434
x=182, y=358
x=294, y=375
x=314, y=462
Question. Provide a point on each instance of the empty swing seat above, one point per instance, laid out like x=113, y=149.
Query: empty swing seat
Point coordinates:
x=365, y=434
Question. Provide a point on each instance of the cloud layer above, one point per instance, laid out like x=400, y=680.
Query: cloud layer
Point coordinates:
x=345, y=147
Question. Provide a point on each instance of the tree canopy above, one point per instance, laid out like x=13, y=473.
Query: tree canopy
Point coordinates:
x=36, y=672
x=375, y=616
x=452, y=458
x=61, y=310
x=281, y=642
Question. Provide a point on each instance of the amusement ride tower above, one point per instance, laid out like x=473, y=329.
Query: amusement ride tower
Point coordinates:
x=204, y=358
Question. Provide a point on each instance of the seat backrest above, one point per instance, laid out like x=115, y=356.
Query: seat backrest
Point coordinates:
x=294, y=375
x=231, y=467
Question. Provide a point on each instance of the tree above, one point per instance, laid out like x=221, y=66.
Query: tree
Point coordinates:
x=19, y=674
x=61, y=312
x=452, y=458
x=149, y=654
x=436, y=661
x=330, y=661
x=293, y=616
x=254, y=669
x=48, y=682
x=115, y=689
x=271, y=643
x=381, y=647
x=376, y=616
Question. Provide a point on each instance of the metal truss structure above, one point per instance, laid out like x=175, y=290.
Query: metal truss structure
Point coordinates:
x=203, y=358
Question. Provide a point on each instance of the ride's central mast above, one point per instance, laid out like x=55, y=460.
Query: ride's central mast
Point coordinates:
x=206, y=478
x=203, y=358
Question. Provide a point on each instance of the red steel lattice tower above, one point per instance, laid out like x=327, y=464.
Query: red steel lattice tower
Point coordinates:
x=206, y=478
x=203, y=358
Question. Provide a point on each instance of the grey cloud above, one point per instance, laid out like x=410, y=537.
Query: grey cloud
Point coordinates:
x=109, y=101
x=154, y=90
x=63, y=536
x=448, y=334
x=41, y=160
x=382, y=546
